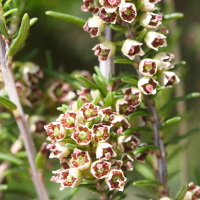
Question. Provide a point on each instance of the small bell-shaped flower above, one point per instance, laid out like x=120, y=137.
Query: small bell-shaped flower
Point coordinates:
x=37, y=124
x=104, y=50
x=80, y=159
x=100, y=169
x=127, y=12
x=164, y=60
x=132, y=95
x=147, y=85
x=89, y=111
x=150, y=20
x=101, y=133
x=107, y=116
x=127, y=162
x=131, y=48
x=148, y=67
x=107, y=17
x=154, y=40
x=149, y=5
x=116, y=180
x=123, y=108
x=94, y=26
x=82, y=135
x=91, y=6
x=167, y=79
x=105, y=151
x=55, y=131
x=115, y=164
x=111, y=5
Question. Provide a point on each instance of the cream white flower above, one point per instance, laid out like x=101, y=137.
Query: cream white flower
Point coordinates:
x=148, y=67
x=154, y=40
x=104, y=50
x=127, y=162
x=150, y=20
x=111, y=5
x=91, y=6
x=149, y=5
x=131, y=48
x=167, y=79
x=128, y=12
x=115, y=164
x=147, y=85
x=107, y=17
x=36, y=124
x=163, y=60
x=123, y=108
x=94, y=26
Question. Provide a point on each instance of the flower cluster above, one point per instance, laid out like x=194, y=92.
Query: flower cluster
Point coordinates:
x=193, y=192
x=89, y=142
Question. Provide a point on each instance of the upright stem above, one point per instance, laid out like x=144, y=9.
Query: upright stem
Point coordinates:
x=21, y=120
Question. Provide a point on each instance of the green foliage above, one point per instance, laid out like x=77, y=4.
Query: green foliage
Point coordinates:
x=85, y=82
x=140, y=113
x=71, y=193
x=181, y=193
x=169, y=122
x=3, y=29
x=109, y=100
x=130, y=81
x=147, y=183
x=11, y=159
x=64, y=108
x=145, y=148
x=124, y=61
x=7, y=103
x=173, y=16
x=80, y=103
x=132, y=130
x=100, y=85
x=118, y=28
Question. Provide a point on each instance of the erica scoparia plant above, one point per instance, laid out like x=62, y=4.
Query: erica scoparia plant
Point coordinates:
x=96, y=137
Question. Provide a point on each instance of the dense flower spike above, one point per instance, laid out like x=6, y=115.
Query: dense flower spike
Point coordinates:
x=100, y=169
x=101, y=133
x=91, y=6
x=154, y=40
x=131, y=48
x=82, y=135
x=80, y=159
x=94, y=26
x=105, y=50
x=111, y=5
x=147, y=85
x=127, y=12
x=107, y=17
x=148, y=67
x=89, y=111
x=167, y=79
x=150, y=20
x=116, y=180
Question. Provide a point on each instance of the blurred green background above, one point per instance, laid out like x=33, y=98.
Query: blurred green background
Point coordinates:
x=71, y=49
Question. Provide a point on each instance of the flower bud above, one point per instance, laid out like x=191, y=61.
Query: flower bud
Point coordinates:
x=128, y=143
x=154, y=40
x=104, y=50
x=123, y=108
x=120, y=123
x=58, y=150
x=132, y=95
x=55, y=131
x=127, y=12
x=116, y=180
x=111, y=5
x=94, y=26
x=167, y=79
x=150, y=20
x=82, y=135
x=149, y=5
x=100, y=169
x=105, y=151
x=147, y=85
x=60, y=92
x=89, y=111
x=37, y=124
x=163, y=60
x=148, y=67
x=91, y=6
x=80, y=159
x=69, y=120
x=101, y=133
x=107, y=17
x=127, y=162
x=131, y=48
x=107, y=116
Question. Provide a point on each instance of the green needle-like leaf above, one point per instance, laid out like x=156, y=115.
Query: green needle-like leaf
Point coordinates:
x=40, y=160
x=33, y=21
x=6, y=3
x=3, y=187
x=94, y=121
x=177, y=65
x=87, y=186
x=109, y=99
x=148, y=183
x=140, y=128
x=80, y=103
x=94, y=191
x=125, y=61
x=73, y=146
x=3, y=29
x=10, y=12
x=5, y=115
x=181, y=193
x=23, y=34
x=144, y=148
x=142, y=34
x=64, y=108
x=129, y=183
x=178, y=139
x=89, y=179
x=169, y=122
x=95, y=101
x=71, y=193
x=173, y=16
x=117, y=198
x=7, y=103
x=140, y=113
x=85, y=82
x=139, y=5
x=100, y=75
x=122, y=76
x=130, y=81
x=186, y=97
x=69, y=18
x=116, y=27
x=11, y=159
x=100, y=84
